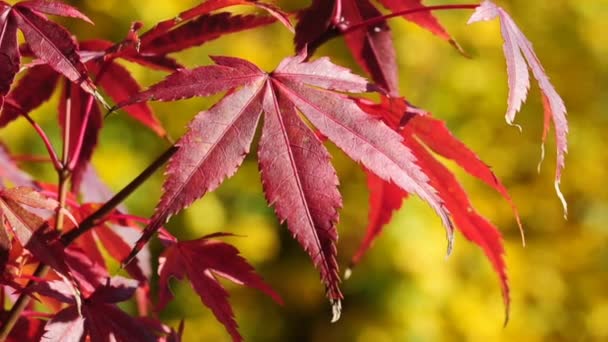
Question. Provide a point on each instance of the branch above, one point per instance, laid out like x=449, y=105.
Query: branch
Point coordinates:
x=92, y=220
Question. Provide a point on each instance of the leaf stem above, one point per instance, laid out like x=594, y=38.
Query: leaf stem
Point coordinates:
x=67, y=123
x=47, y=143
x=82, y=133
x=64, y=176
x=376, y=20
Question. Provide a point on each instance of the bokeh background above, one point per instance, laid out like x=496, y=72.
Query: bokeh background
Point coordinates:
x=404, y=289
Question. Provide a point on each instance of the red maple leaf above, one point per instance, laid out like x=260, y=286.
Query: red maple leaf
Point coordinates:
x=202, y=261
x=299, y=181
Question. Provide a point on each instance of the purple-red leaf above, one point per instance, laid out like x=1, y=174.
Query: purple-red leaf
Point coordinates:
x=301, y=184
x=101, y=319
x=9, y=51
x=518, y=50
x=203, y=81
x=202, y=261
x=214, y=147
x=54, y=8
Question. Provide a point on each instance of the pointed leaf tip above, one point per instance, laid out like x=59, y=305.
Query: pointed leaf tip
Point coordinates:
x=336, y=310
x=348, y=273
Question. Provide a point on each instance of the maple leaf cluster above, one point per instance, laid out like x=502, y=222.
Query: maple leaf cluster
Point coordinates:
x=53, y=237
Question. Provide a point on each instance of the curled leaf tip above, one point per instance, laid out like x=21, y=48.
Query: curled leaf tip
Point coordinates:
x=101, y=100
x=510, y=123
x=348, y=273
x=562, y=199
x=459, y=48
x=542, y=157
x=336, y=310
x=450, y=238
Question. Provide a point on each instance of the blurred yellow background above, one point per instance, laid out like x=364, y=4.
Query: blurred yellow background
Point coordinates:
x=404, y=289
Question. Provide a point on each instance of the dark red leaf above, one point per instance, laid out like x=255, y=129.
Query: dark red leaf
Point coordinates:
x=201, y=30
x=5, y=248
x=203, y=81
x=315, y=25
x=520, y=55
x=35, y=88
x=372, y=46
x=54, y=8
x=214, y=147
x=301, y=184
x=115, y=290
x=202, y=260
x=9, y=56
x=56, y=289
x=206, y=8
x=54, y=45
x=218, y=140
x=162, y=63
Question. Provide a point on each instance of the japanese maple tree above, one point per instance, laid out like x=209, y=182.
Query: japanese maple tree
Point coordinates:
x=51, y=234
